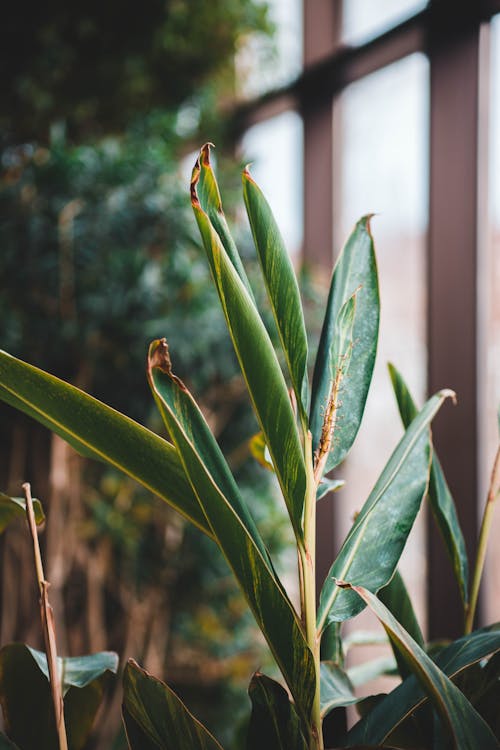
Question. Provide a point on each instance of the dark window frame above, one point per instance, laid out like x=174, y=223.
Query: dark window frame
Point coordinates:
x=455, y=40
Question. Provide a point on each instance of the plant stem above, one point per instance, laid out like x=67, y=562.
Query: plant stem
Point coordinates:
x=493, y=492
x=307, y=554
x=48, y=626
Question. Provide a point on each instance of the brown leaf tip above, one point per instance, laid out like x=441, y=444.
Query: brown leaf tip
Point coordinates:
x=159, y=356
x=342, y=584
x=205, y=153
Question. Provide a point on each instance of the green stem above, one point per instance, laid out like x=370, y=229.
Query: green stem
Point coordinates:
x=493, y=493
x=307, y=554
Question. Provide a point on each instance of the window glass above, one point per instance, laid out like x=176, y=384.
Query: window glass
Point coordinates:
x=261, y=66
x=365, y=19
x=275, y=148
x=489, y=331
x=381, y=135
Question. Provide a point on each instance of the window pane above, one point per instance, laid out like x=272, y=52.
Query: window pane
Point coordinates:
x=489, y=309
x=381, y=135
x=275, y=149
x=259, y=68
x=364, y=19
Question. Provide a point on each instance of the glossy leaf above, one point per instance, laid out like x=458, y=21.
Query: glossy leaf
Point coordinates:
x=97, y=431
x=78, y=671
x=15, y=507
x=281, y=285
x=328, y=485
x=332, y=645
x=207, y=192
x=336, y=688
x=274, y=722
x=233, y=527
x=25, y=692
x=355, y=268
x=440, y=497
x=340, y=357
x=463, y=723
x=159, y=719
x=259, y=364
x=371, y=551
x=396, y=598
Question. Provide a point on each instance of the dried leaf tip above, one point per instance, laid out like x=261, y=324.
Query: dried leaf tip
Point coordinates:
x=448, y=393
x=159, y=356
x=205, y=153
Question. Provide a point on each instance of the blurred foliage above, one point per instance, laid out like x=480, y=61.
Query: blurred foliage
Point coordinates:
x=95, y=65
x=100, y=256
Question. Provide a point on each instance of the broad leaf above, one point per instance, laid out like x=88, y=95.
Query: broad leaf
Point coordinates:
x=356, y=267
x=282, y=287
x=464, y=724
x=97, y=431
x=396, y=598
x=274, y=722
x=15, y=507
x=77, y=671
x=336, y=688
x=159, y=718
x=440, y=497
x=371, y=551
x=259, y=365
x=328, y=485
x=340, y=357
x=25, y=692
x=233, y=527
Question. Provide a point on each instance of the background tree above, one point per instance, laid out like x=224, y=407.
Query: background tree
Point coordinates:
x=99, y=256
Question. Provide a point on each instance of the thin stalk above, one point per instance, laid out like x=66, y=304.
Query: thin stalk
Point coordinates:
x=307, y=555
x=493, y=493
x=48, y=626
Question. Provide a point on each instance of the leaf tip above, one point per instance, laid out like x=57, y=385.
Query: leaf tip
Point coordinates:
x=448, y=393
x=159, y=356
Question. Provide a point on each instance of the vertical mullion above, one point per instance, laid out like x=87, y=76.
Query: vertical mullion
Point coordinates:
x=452, y=299
x=321, y=31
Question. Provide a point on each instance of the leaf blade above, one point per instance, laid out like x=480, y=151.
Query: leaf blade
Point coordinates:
x=98, y=431
x=15, y=507
x=161, y=717
x=239, y=542
x=441, y=500
x=273, y=721
x=282, y=287
x=259, y=365
x=388, y=516
x=451, y=704
x=356, y=267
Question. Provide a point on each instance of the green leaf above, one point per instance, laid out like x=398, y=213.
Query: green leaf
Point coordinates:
x=371, y=551
x=159, y=718
x=332, y=645
x=15, y=507
x=396, y=598
x=207, y=192
x=233, y=527
x=356, y=267
x=259, y=365
x=97, y=431
x=25, y=692
x=282, y=287
x=328, y=485
x=466, y=727
x=336, y=688
x=440, y=497
x=274, y=722
x=78, y=671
